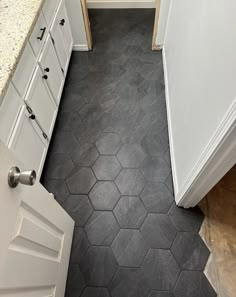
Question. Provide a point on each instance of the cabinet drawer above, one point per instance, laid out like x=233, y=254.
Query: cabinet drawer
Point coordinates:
x=40, y=100
x=49, y=10
x=9, y=111
x=27, y=142
x=38, y=35
x=24, y=70
x=50, y=66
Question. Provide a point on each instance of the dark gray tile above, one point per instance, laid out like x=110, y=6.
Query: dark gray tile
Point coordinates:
x=130, y=182
x=67, y=121
x=194, y=284
x=131, y=155
x=169, y=183
x=80, y=180
x=58, y=188
x=85, y=154
x=98, y=266
x=158, y=231
x=80, y=245
x=190, y=251
x=101, y=228
x=106, y=168
x=155, y=169
x=160, y=270
x=154, y=144
x=129, y=282
x=88, y=132
x=58, y=166
x=75, y=282
x=104, y=195
x=186, y=219
x=109, y=144
x=63, y=142
x=95, y=292
x=129, y=248
x=167, y=157
x=79, y=208
x=161, y=294
x=130, y=212
x=157, y=198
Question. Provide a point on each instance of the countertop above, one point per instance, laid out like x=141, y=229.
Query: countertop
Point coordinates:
x=17, y=19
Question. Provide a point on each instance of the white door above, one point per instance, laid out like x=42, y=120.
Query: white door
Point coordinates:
x=36, y=235
x=51, y=67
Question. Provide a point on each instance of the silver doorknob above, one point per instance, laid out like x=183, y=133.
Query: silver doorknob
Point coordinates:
x=16, y=177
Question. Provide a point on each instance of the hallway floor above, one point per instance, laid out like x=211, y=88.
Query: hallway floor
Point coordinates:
x=109, y=167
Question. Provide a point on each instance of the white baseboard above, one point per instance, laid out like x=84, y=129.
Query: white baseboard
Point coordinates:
x=170, y=130
x=105, y=4
x=80, y=47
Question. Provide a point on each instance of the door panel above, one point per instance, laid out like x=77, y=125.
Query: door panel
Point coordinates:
x=41, y=102
x=36, y=235
x=51, y=67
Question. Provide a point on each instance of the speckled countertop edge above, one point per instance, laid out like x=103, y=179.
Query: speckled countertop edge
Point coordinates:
x=17, y=20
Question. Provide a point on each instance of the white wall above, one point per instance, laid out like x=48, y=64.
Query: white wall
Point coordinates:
x=162, y=22
x=75, y=14
x=200, y=69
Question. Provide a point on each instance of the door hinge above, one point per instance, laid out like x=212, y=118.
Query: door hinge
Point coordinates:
x=45, y=135
x=29, y=109
x=53, y=41
x=62, y=70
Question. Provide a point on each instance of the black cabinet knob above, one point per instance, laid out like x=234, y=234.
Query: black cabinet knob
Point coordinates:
x=47, y=69
x=62, y=22
x=45, y=76
x=32, y=117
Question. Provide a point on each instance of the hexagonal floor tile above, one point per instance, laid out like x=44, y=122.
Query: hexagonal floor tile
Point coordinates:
x=58, y=188
x=109, y=144
x=157, y=198
x=80, y=245
x=154, y=144
x=169, y=183
x=190, y=251
x=85, y=154
x=186, y=219
x=160, y=269
x=129, y=282
x=131, y=155
x=155, y=169
x=158, y=231
x=129, y=248
x=63, y=142
x=75, y=282
x=104, y=195
x=101, y=228
x=98, y=266
x=79, y=208
x=130, y=212
x=95, y=292
x=130, y=182
x=106, y=168
x=58, y=166
x=194, y=284
x=80, y=180
x=161, y=294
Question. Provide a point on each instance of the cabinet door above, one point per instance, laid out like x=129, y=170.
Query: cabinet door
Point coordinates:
x=27, y=142
x=40, y=100
x=62, y=37
x=51, y=67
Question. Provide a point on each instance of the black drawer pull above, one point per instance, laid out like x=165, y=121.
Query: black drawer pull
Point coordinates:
x=43, y=32
x=62, y=22
x=47, y=69
x=45, y=76
x=32, y=117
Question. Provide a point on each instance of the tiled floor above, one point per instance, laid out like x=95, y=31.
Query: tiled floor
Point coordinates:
x=109, y=167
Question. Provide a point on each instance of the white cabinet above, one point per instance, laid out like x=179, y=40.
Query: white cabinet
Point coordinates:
x=40, y=100
x=50, y=66
x=62, y=37
x=28, y=143
x=49, y=10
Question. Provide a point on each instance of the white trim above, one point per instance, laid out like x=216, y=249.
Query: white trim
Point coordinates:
x=80, y=47
x=216, y=160
x=104, y=4
x=171, y=142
